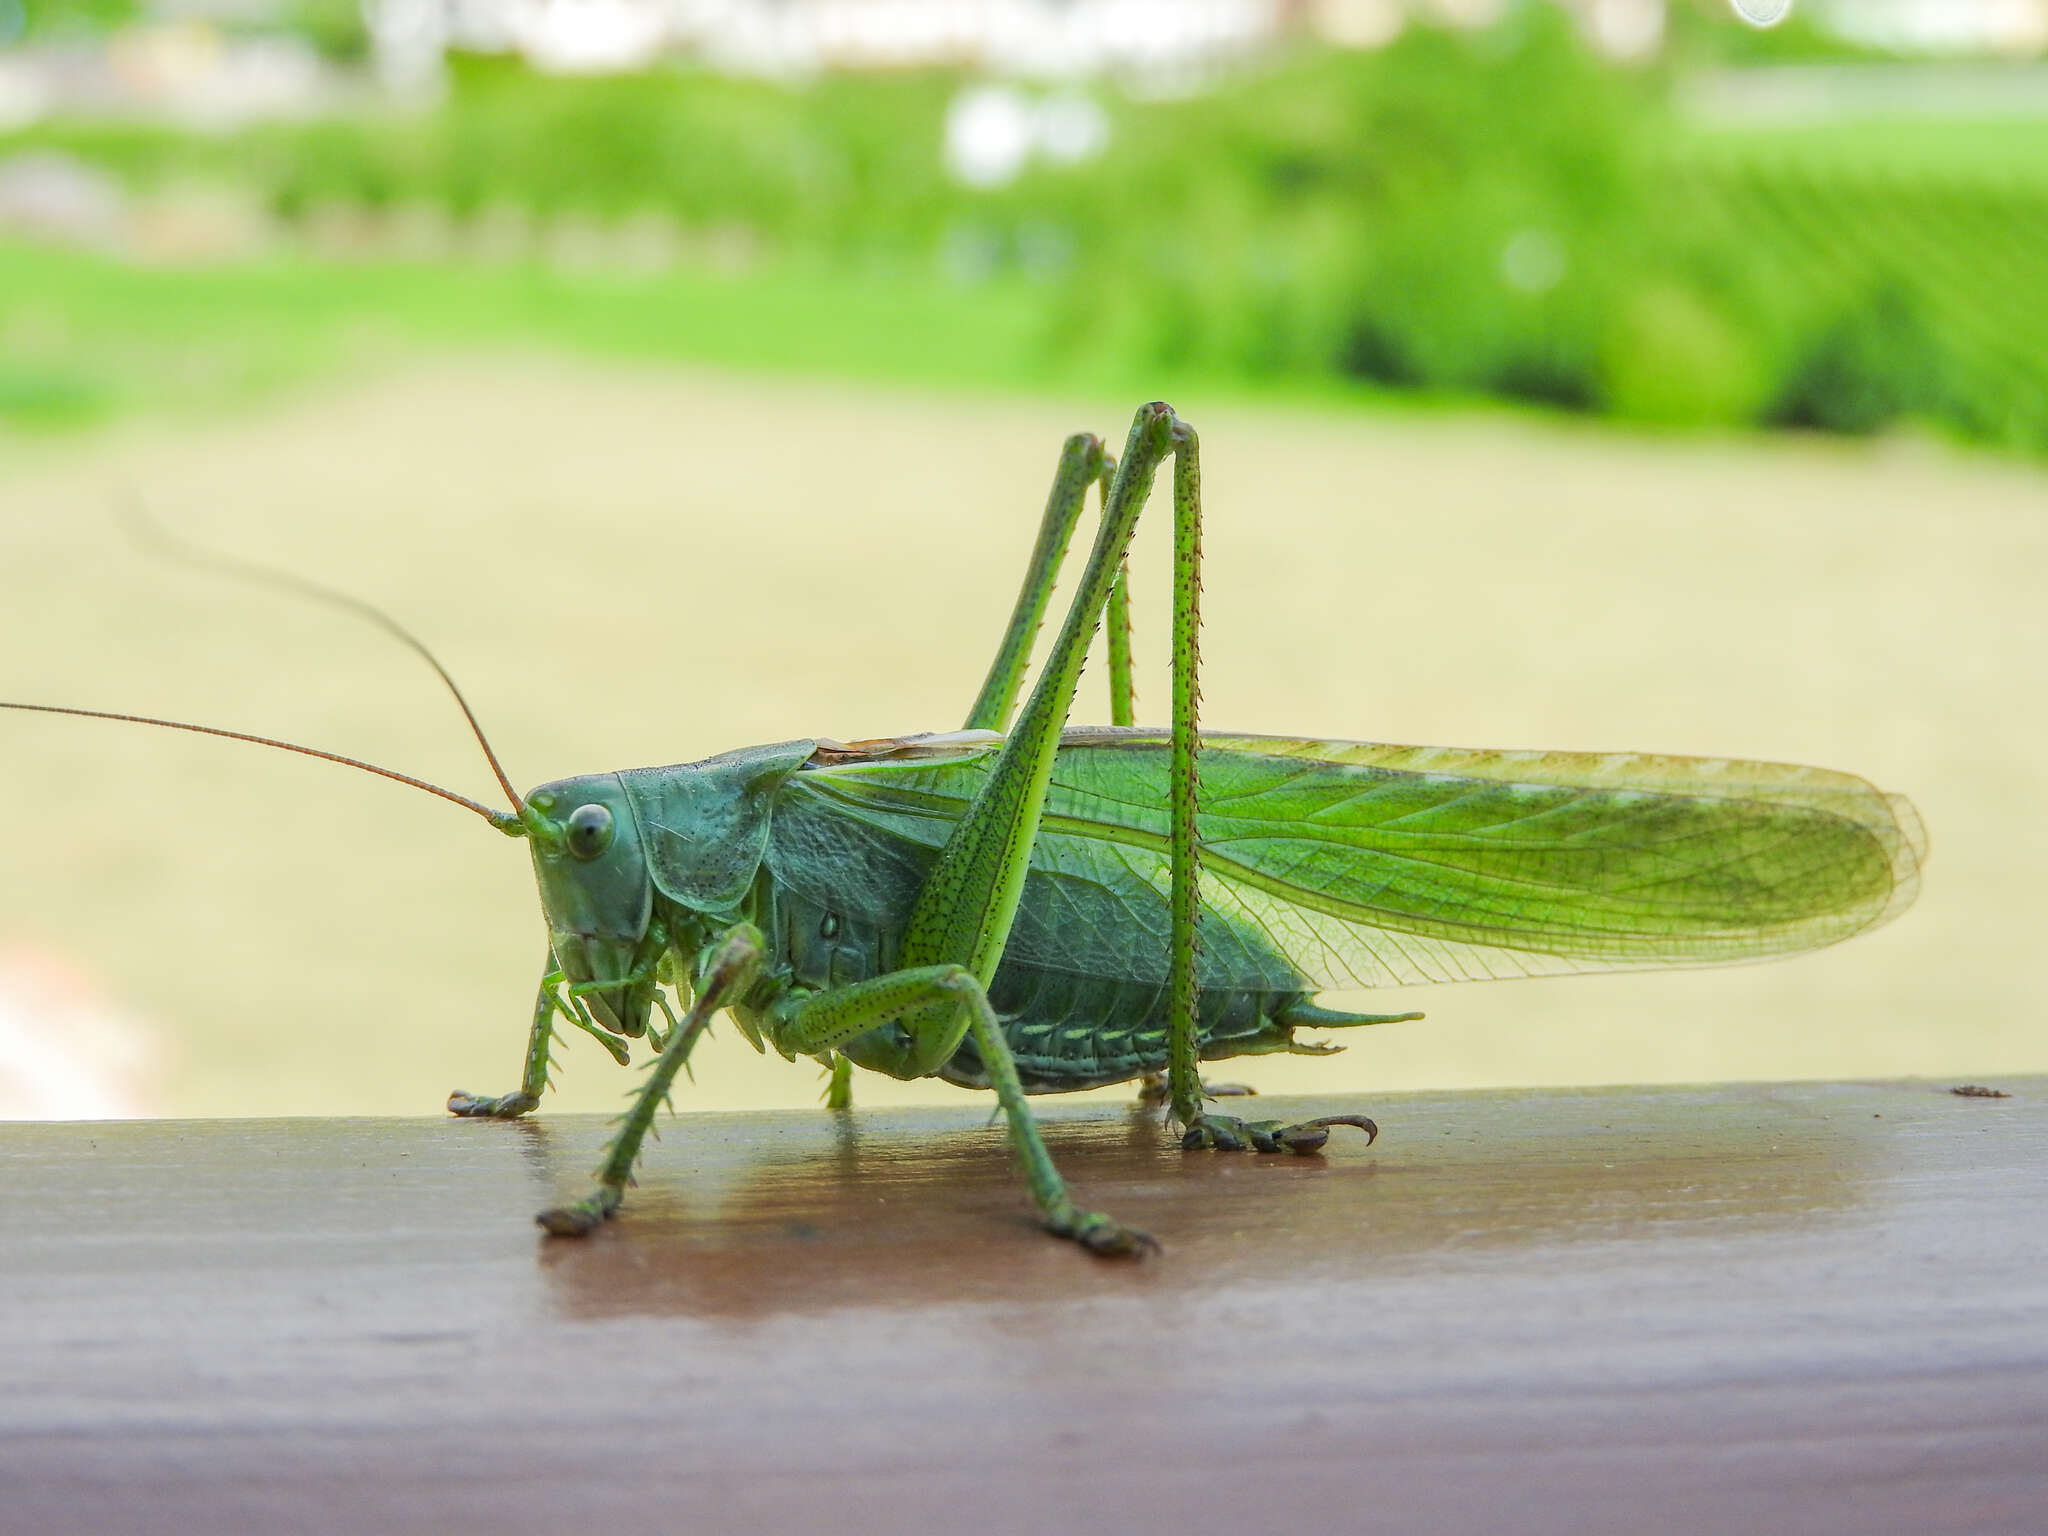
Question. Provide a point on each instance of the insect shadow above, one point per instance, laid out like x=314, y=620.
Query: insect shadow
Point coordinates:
x=800, y=1213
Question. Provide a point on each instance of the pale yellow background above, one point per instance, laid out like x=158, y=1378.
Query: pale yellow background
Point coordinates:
x=639, y=566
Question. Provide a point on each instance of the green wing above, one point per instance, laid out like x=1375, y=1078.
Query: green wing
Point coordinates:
x=1356, y=864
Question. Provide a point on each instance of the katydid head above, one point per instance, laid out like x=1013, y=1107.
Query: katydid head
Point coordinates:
x=597, y=895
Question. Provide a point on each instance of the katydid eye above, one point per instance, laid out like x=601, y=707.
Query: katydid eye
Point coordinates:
x=590, y=831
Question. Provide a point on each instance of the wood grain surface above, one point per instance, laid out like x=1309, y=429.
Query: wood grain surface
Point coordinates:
x=1808, y=1308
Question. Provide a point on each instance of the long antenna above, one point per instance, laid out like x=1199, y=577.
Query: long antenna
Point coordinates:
x=152, y=535
x=499, y=819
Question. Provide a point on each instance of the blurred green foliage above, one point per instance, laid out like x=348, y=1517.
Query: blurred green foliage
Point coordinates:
x=1470, y=214
x=335, y=27
x=45, y=18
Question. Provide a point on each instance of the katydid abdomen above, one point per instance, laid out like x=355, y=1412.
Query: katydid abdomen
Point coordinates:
x=1071, y=1032
x=1084, y=1000
x=1067, y=1029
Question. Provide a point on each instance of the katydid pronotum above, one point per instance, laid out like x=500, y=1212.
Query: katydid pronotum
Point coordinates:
x=1030, y=907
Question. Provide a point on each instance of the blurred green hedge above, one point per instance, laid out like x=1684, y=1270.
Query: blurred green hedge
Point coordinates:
x=1493, y=214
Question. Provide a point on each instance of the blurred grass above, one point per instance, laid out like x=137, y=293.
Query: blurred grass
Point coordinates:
x=2005, y=152
x=89, y=335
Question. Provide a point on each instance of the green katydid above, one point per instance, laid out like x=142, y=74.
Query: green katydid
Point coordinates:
x=1014, y=906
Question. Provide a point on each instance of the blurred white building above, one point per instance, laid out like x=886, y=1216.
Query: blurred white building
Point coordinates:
x=1068, y=38
x=209, y=63
x=1054, y=38
x=1939, y=26
x=185, y=70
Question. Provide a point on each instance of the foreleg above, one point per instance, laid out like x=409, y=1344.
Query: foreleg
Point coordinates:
x=533, y=1081
x=732, y=964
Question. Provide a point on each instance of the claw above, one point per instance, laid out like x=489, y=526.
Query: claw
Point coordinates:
x=1120, y=1242
x=1217, y=1133
x=1310, y=1135
x=569, y=1221
x=1226, y=1133
x=510, y=1107
x=1102, y=1235
x=582, y=1218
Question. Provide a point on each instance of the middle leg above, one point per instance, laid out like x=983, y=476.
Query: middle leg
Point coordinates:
x=821, y=1020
